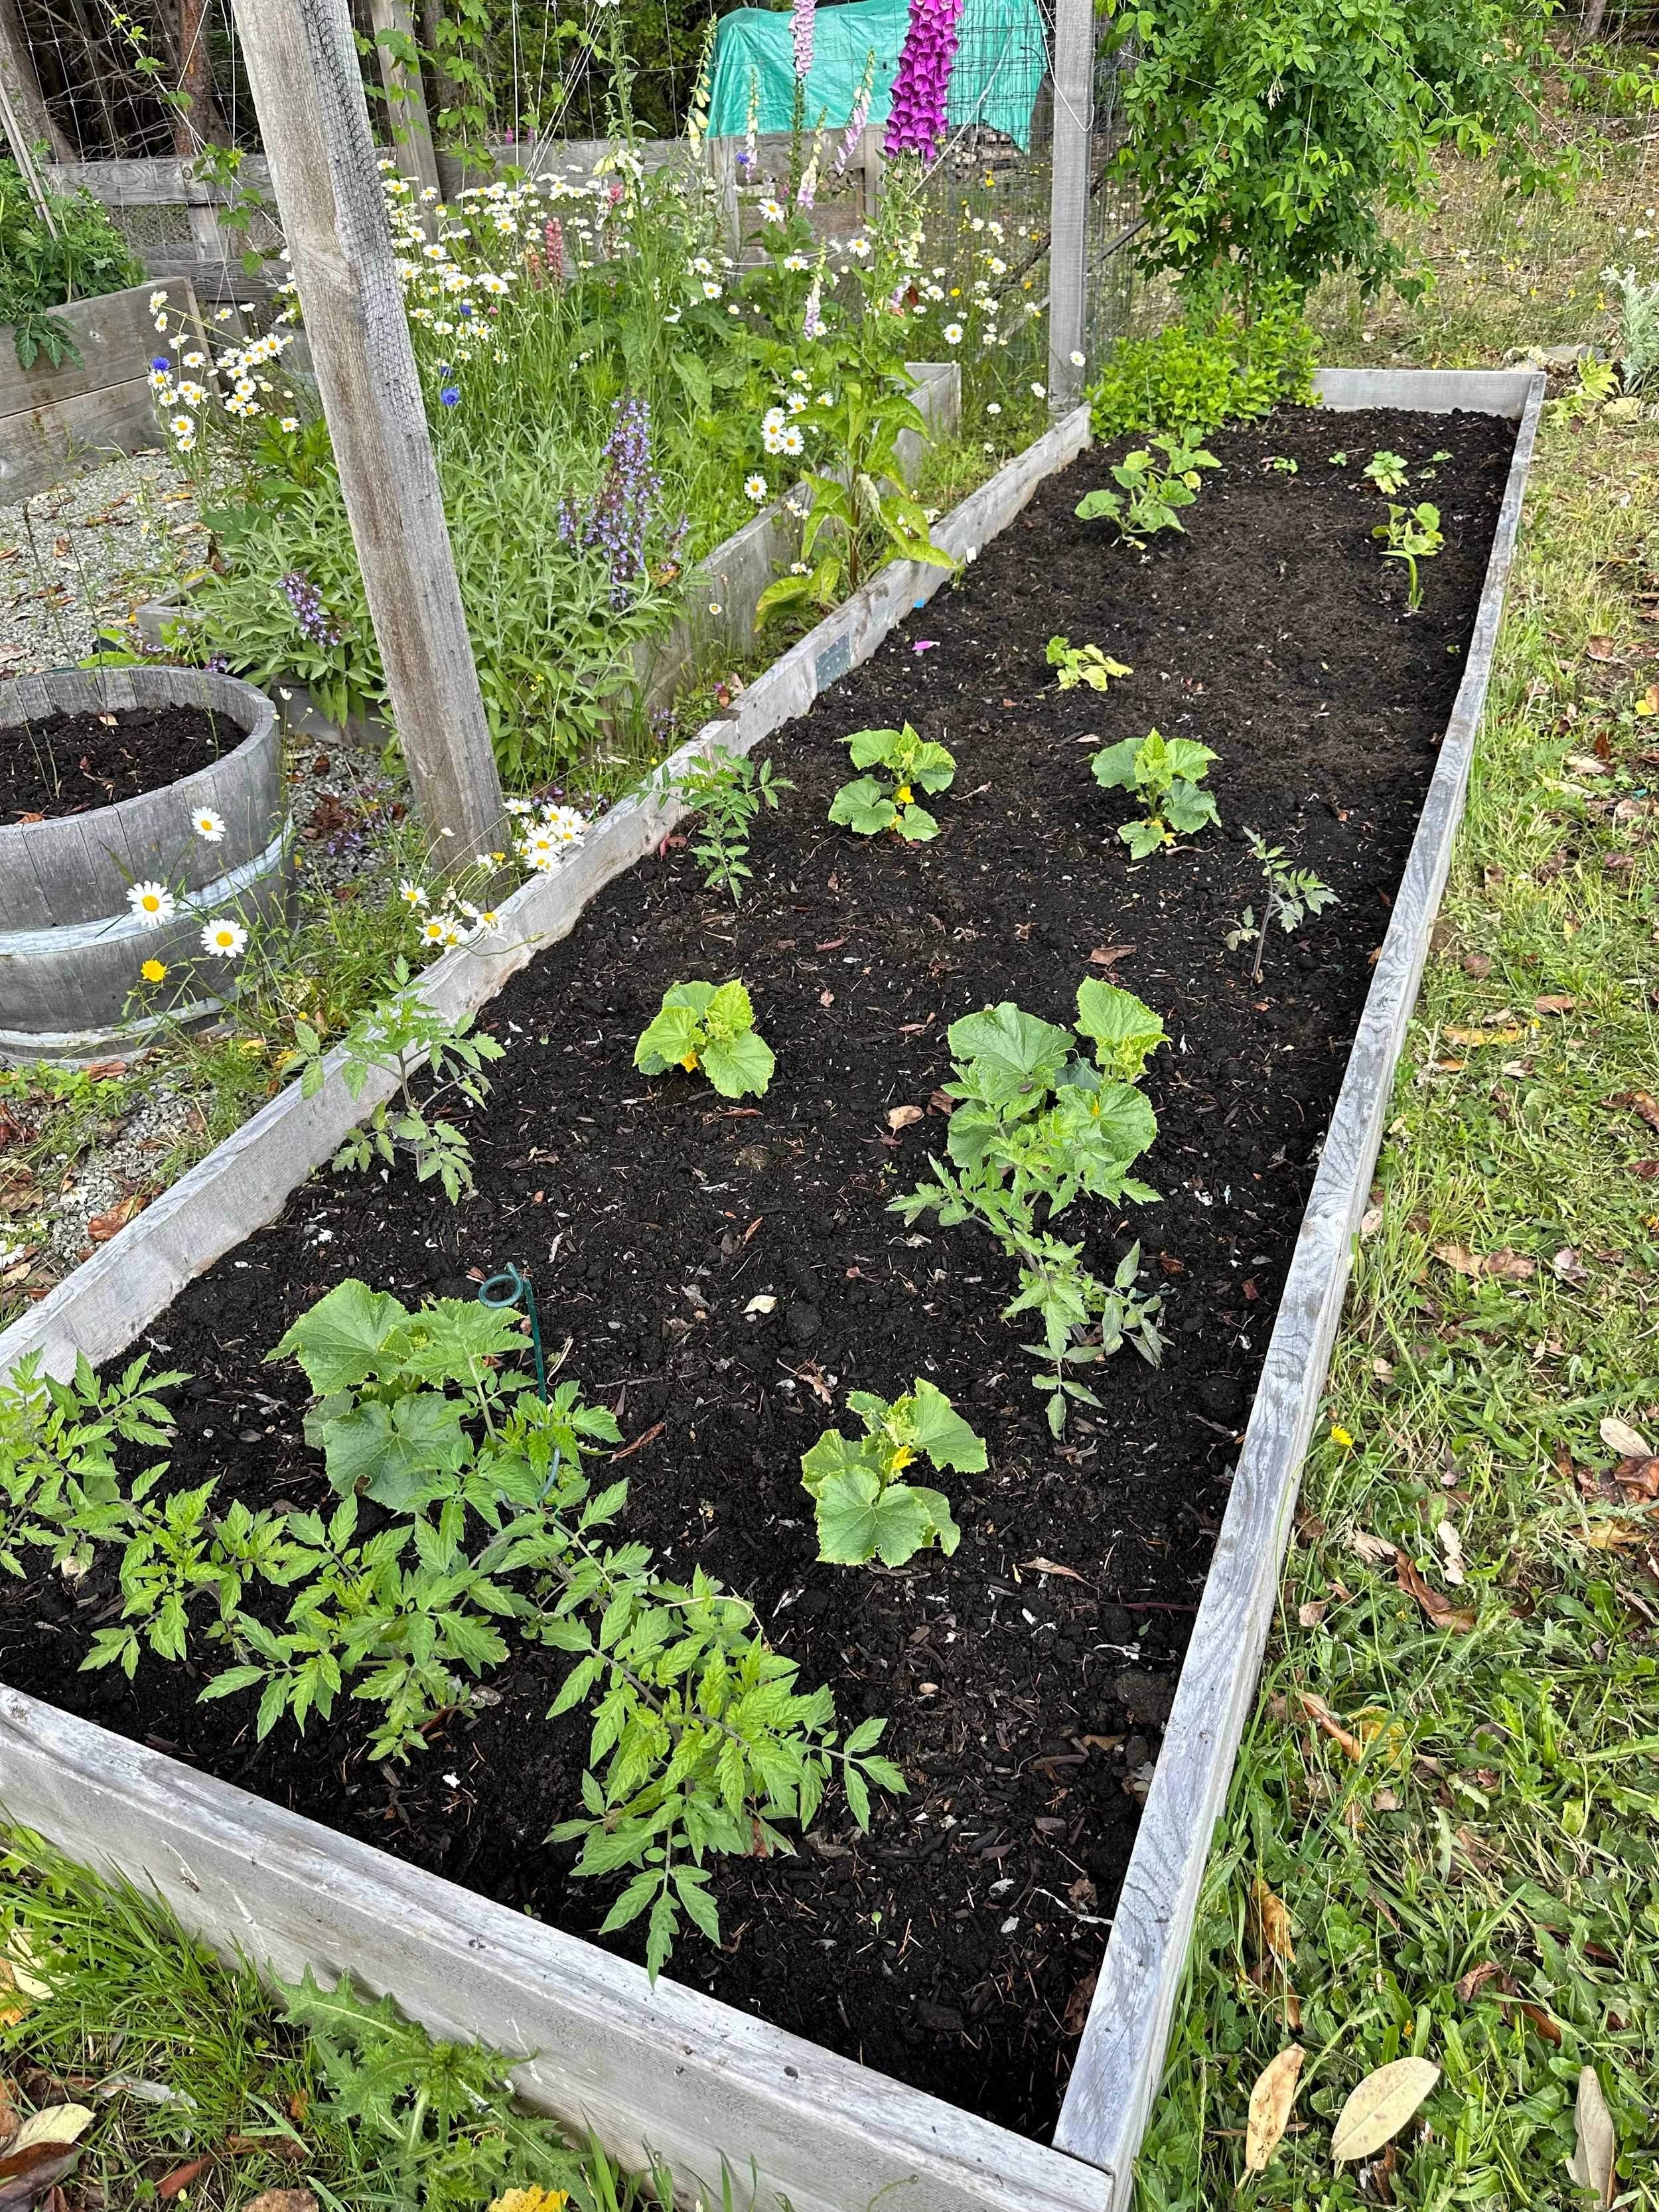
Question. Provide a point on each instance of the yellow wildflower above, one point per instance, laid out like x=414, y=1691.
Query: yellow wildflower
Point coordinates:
x=690, y=1063
x=531, y=2200
x=902, y=796
x=152, y=970
x=1339, y=1436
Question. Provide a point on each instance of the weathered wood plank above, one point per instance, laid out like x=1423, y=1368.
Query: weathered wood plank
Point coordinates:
x=1075, y=32
x=156, y=183
x=115, y=337
x=1116, y=2073
x=48, y=444
x=302, y=66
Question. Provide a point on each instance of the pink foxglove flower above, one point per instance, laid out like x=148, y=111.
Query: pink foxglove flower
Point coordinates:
x=917, y=122
x=802, y=32
x=860, y=116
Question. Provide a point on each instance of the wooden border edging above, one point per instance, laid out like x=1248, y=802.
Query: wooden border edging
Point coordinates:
x=1119, y=2065
x=667, y=2069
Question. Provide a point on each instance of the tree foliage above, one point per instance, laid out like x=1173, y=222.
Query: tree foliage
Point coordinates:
x=1266, y=142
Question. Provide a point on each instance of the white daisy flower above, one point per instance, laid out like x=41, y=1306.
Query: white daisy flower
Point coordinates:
x=436, y=931
x=770, y=211
x=182, y=426
x=411, y=893
x=790, y=441
x=520, y=805
x=563, y=823
x=796, y=261
x=953, y=334
x=153, y=904
x=711, y=291
x=208, y=826
x=756, y=488
x=290, y=423
x=1076, y=360
x=157, y=302
x=1039, y=392
x=223, y=939
x=796, y=403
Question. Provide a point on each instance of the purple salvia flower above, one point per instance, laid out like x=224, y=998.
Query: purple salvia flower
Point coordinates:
x=618, y=518
x=802, y=31
x=915, y=123
x=306, y=602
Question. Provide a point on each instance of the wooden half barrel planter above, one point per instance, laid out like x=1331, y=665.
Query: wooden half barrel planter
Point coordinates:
x=70, y=946
x=664, y=2067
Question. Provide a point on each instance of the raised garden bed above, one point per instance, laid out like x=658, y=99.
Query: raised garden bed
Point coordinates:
x=996, y=1668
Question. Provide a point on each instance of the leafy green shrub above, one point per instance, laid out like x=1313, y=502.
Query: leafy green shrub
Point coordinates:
x=727, y=791
x=865, y=1509
x=709, y=1026
x=1164, y=774
x=1206, y=370
x=1033, y=1127
x=38, y=272
x=871, y=804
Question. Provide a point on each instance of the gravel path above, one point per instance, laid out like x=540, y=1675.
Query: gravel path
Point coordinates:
x=83, y=554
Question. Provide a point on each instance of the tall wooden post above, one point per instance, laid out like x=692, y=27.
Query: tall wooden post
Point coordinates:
x=22, y=88
x=411, y=131
x=302, y=66
x=1068, y=198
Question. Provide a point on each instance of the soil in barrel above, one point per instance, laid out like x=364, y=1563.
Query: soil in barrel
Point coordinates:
x=1028, y=1678
x=70, y=764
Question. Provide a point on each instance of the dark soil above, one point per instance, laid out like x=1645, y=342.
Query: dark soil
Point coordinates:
x=1027, y=1678
x=66, y=764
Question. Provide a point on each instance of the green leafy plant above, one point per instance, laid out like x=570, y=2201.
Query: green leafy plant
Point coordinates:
x=1290, y=895
x=1151, y=498
x=1083, y=664
x=865, y=1510
x=727, y=791
x=1386, y=472
x=1165, y=774
x=1639, y=327
x=1207, y=369
x=1413, y=534
x=395, y=1038
x=1339, y=460
x=1034, y=1126
x=79, y=255
x=709, y=1026
x=871, y=804
x=1284, y=465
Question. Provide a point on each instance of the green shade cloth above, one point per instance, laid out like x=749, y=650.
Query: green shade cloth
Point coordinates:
x=1001, y=59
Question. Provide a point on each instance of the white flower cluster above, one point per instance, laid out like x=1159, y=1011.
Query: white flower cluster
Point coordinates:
x=456, y=920
x=778, y=433
x=546, y=833
x=236, y=379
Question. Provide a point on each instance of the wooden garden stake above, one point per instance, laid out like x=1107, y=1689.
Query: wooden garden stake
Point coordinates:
x=1068, y=197
x=411, y=146
x=302, y=66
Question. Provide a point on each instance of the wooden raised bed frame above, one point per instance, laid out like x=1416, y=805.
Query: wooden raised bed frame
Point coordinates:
x=666, y=2070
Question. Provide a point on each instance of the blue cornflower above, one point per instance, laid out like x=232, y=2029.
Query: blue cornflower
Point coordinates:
x=161, y=361
x=450, y=395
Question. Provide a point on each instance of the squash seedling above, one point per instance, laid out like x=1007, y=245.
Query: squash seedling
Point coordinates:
x=709, y=1026
x=1164, y=774
x=866, y=1510
x=1387, y=472
x=1291, y=894
x=1413, y=535
x=908, y=764
x=1149, y=499
x=1083, y=664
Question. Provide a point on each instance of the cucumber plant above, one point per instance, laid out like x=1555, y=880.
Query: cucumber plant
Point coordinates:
x=1165, y=774
x=711, y=1027
x=887, y=800
x=865, y=1509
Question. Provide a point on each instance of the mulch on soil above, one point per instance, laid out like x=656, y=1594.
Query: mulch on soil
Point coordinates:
x=1027, y=1678
x=67, y=763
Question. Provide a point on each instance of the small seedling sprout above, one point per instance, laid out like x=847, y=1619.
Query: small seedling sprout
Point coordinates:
x=1413, y=534
x=1388, y=471
x=1290, y=895
x=1083, y=664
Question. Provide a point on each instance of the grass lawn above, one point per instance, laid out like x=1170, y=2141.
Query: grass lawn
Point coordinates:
x=1457, y=1801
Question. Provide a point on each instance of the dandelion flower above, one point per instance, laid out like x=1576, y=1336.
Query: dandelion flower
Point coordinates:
x=208, y=826
x=223, y=939
x=153, y=971
x=153, y=904
x=755, y=487
x=1339, y=1436
x=411, y=893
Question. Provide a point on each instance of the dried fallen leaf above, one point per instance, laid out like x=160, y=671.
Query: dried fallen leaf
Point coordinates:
x=901, y=1117
x=1506, y=1035
x=1644, y=1171
x=1559, y=1004
x=1372, y=1549
x=1371, y=1221
x=1439, y=1609
x=1637, y=1478
x=764, y=1303
x=1380, y=2107
x=285, y=2147
x=1051, y=1567
x=1075, y=2017
x=26, y=2175
x=281, y=2200
x=1600, y=647
x=1310, y=1615
x=1271, y=2101
x=103, y=1226
x=1568, y=1267
x=1640, y=1102
x=1106, y=955
x=1319, y=1713
x=53, y=2123
x=1469, y=1986
x=1619, y=1436
x=1503, y=1265
x=1612, y=1535
x=1274, y=1922
x=1591, y=2165
x=1451, y=1544
x=170, y=2185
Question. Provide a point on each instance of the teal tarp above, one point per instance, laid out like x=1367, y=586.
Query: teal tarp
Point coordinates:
x=1002, y=59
